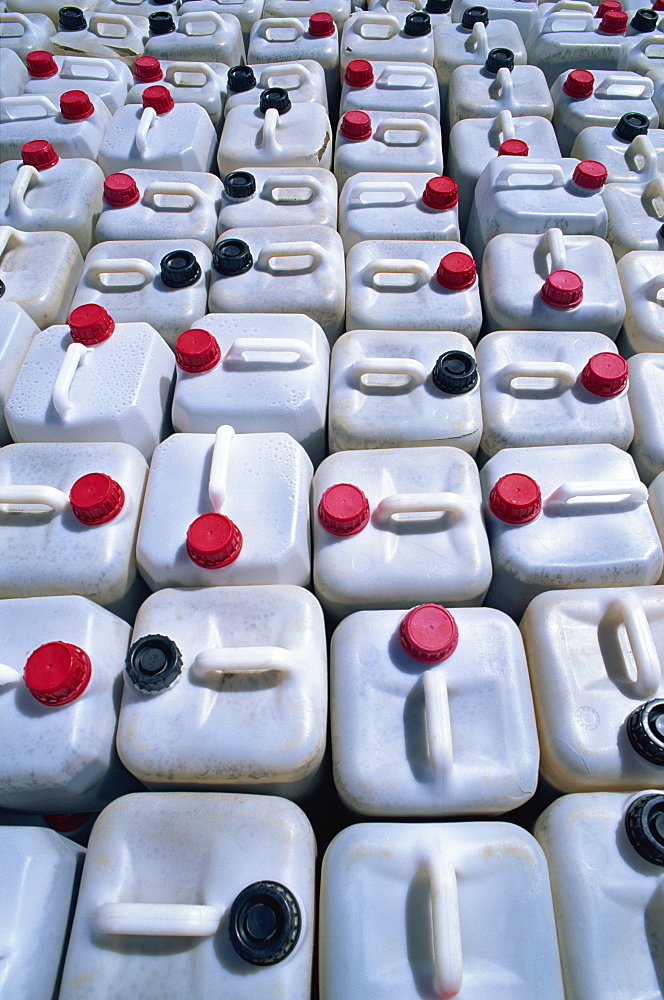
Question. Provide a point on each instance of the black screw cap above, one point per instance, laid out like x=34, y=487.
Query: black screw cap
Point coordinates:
x=645, y=729
x=264, y=923
x=71, y=19
x=161, y=23
x=240, y=78
x=275, y=97
x=231, y=257
x=160, y=3
x=418, y=23
x=644, y=20
x=499, y=58
x=239, y=184
x=473, y=15
x=644, y=823
x=630, y=125
x=2, y=288
x=438, y=6
x=179, y=269
x=455, y=372
x=153, y=664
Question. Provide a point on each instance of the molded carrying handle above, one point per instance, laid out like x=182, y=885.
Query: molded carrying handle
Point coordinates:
x=422, y=128
x=478, y=40
x=446, y=928
x=413, y=370
x=72, y=63
x=242, y=660
x=293, y=182
x=437, y=719
x=516, y=170
x=221, y=456
x=121, y=19
x=158, y=919
x=25, y=175
x=268, y=24
x=626, y=609
x=305, y=248
x=148, y=117
x=74, y=356
x=568, y=20
x=421, y=503
x=564, y=373
x=369, y=17
x=379, y=187
x=614, y=87
x=40, y=101
x=174, y=188
x=554, y=242
x=9, y=676
x=642, y=145
x=187, y=67
x=240, y=351
x=18, y=497
x=130, y=265
x=618, y=494
x=200, y=16
x=387, y=265
x=505, y=124
x=289, y=69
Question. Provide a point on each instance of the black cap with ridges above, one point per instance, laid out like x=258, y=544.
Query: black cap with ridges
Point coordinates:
x=71, y=19
x=275, y=97
x=239, y=184
x=418, y=23
x=231, y=257
x=644, y=823
x=264, y=923
x=438, y=6
x=455, y=372
x=645, y=729
x=2, y=288
x=473, y=16
x=179, y=269
x=630, y=125
x=499, y=59
x=161, y=23
x=153, y=664
x=240, y=79
x=644, y=20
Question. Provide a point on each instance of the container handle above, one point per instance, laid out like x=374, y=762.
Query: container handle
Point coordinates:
x=6, y=233
x=158, y=919
x=412, y=370
x=555, y=243
x=201, y=16
x=221, y=456
x=267, y=24
x=9, y=676
x=303, y=248
x=242, y=660
x=130, y=265
x=502, y=87
x=446, y=928
x=174, y=188
x=28, y=101
x=505, y=123
x=290, y=69
x=514, y=170
x=122, y=19
x=407, y=76
x=379, y=187
x=403, y=125
x=369, y=17
x=292, y=181
x=74, y=356
x=25, y=175
x=655, y=191
x=420, y=503
x=437, y=720
x=392, y=265
x=478, y=40
x=564, y=373
x=568, y=20
x=642, y=145
x=148, y=116
x=626, y=609
x=16, y=497
x=619, y=494
x=187, y=67
x=237, y=355
x=577, y=5
x=71, y=63
x=267, y=138
x=624, y=88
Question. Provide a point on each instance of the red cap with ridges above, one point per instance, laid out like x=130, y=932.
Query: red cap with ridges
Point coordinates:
x=513, y=147
x=96, y=498
x=605, y=374
x=356, y=125
x=658, y=5
x=197, y=351
x=359, y=73
x=457, y=271
x=213, y=541
x=66, y=822
x=607, y=5
x=321, y=24
x=429, y=633
x=57, y=673
x=590, y=174
x=562, y=290
x=147, y=69
x=515, y=499
x=75, y=105
x=614, y=22
x=343, y=509
x=41, y=64
x=90, y=324
x=120, y=190
x=39, y=153
x=159, y=98
x=579, y=83
x=441, y=192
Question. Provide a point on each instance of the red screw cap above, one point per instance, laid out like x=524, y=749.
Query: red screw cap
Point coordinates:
x=590, y=174
x=90, y=324
x=120, y=190
x=75, y=105
x=213, y=541
x=355, y=125
x=158, y=98
x=579, y=83
x=658, y=5
x=66, y=822
x=41, y=64
x=513, y=147
x=96, y=498
x=197, y=351
x=441, y=192
x=614, y=22
x=147, y=69
x=321, y=25
x=57, y=673
x=39, y=154
x=359, y=73
x=515, y=499
x=343, y=509
x=562, y=290
x=429, y=633
x=607, y=5
x=605, y=374
x=456, y=270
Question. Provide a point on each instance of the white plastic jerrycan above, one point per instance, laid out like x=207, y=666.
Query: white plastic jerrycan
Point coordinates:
x=288, y=39
x=158, y=205
x=159, y=134
x=16, y=333
x=416, y=685
x=387, y=142
x=404, y=206
x=62, y=660
x=404, y=912
x=596, y=674
x=279, y=196
x=570, y=517
x=524, y=13
x=498, y=85
x=163, y=280
x=212, y=665
x=644, y=45
x=566, y=39
x=200, y=36
x=390, y=86
x=39, y=272
x=412, y=285
x=395, y=527
x=304, y=81
x=108, y=79
x=13, y=74
x=256, y=371
x=195, y=893
x=656, y=503
x=646, y=398
x=93, y=381
x=114, y=36
x=635, y=216
x=246, y=11
x=582, y=99
x=542, y=390
x=641, y=276
x=629, y=151
x=390, y=390
x=74, y=123
x=68, y=520
x=376, y=35
x=281, y=269
x=25, y=32
x=551, y=282
x=605, y=852
x=38, y=882
x=186, y=82
x=475, y=142
x=275, y=134
x=261, y=482
x=43, y=192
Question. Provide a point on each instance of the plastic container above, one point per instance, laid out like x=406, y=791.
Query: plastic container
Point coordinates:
x=566, y=517
x=404, y=206
x=53, y=548
x=240, y=369
x=108, y=79
x=287, y=39
x=598, y=687
x=499, y=85
x=626, y=151
x=656, y=503
x=605, y=854
x=376, y=35
x=114, y=36
x=74, y=124
x=566, y=39
x=551, y=282
x=281, y=269
x=524, y=13
x=186, y=82
x=390, y=86
x=29, y=278
x=538, y=390
x=300, y=136
x=413, y=285
x=200, y=36
x=641, y=276
x=646, y=399
x=415, y=895
x=142, y=8
x=163, y=279
x=407, y=692
x=39, y=881
x=391, y=390
x=246, y=11
x=42, y=192
x=13, y=74
x=164, y=870
x=396, y=527
x=644, y=45
x=254, y=661
x=16, y=333
x=387, y=142
x=261, y=482
x=636, y=216
x=279, y=196
x=93, y=380
x=25, y=32
x=304, y=81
